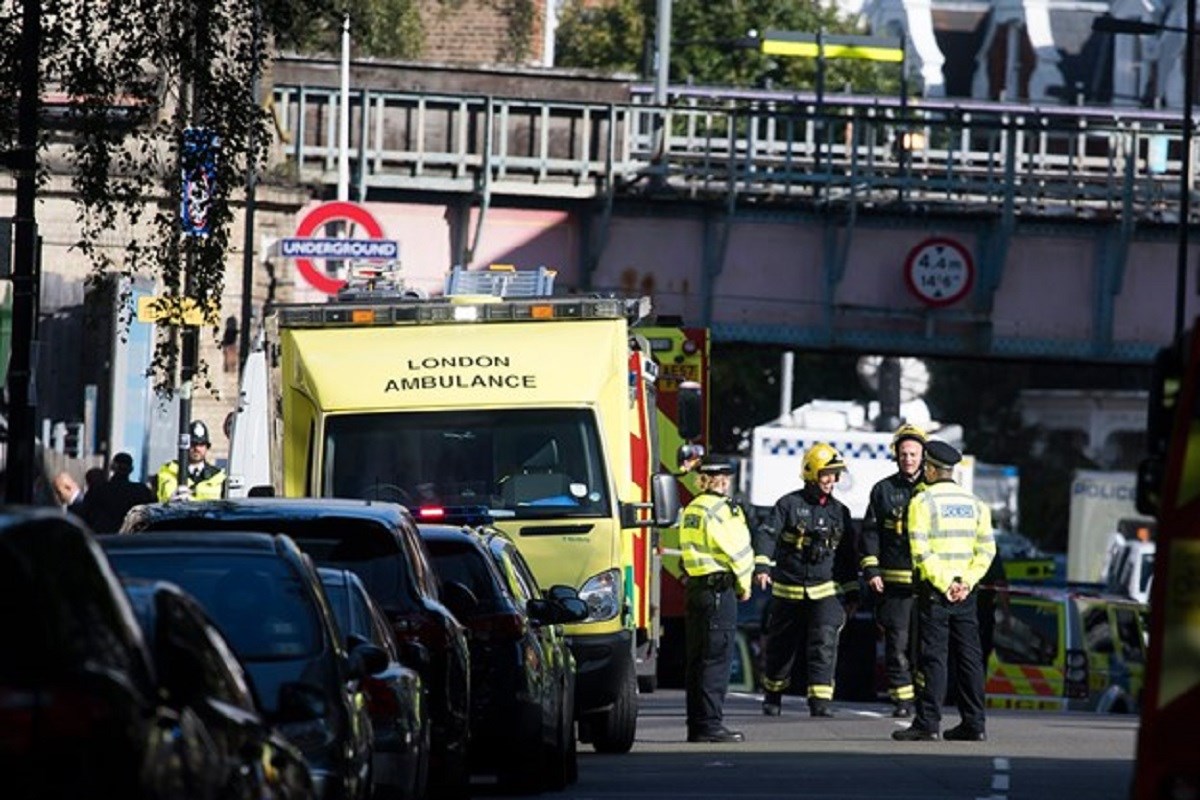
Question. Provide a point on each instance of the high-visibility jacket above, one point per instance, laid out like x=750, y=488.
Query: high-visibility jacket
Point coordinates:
x=714, y=538
x=208, y=485
x=950, y=533
x=807, y=544
x=884, y=540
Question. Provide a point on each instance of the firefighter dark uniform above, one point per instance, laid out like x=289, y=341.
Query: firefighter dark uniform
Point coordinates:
x=950, y=533
x=806, y=546
x=718, y=560
x=886, y=556
x=205, y=481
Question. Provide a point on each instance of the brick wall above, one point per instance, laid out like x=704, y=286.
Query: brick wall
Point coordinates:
x=478, y=31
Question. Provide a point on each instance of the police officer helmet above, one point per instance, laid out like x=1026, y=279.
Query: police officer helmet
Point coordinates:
x=199, y=432
x=688, y=454
x=714, y=466
x=820, y=457
x=907, y=431
x=942, y=455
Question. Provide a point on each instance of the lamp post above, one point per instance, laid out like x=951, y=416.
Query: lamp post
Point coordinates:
x=1107, y=24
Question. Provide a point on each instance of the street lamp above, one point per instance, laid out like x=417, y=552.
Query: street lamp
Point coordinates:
x=1107, y=24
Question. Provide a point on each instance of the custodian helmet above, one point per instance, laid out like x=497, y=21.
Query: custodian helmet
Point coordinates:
x=820, y=456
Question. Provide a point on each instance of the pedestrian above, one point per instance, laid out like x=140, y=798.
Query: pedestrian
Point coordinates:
x=67, y=493
x=950, y=533
x=804, y=552
x=717, y=562
x=205, y=480
x=108, y=503
x=887, y=561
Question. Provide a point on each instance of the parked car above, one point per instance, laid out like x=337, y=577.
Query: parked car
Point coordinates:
x=522, y=672
x=379, y=542
x=1067, y=648
x=267, y=599
x=81, y=714
x=396, y=696
x=197, y=668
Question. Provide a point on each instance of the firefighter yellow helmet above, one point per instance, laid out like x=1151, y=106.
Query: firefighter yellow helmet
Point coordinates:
x=820, y=456
x=907, y=431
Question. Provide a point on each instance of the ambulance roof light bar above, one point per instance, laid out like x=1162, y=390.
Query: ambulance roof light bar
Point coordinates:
x=501, y=280
x=404, y=311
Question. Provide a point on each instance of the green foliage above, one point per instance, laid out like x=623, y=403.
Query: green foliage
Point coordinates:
x=379, y=28
x=704, y=36
x=609, y=37
x=137, y=74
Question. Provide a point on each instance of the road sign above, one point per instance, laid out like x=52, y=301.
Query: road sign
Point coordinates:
x=305, y=248
x=939, y=271
x=198, y=160
x=175, y=310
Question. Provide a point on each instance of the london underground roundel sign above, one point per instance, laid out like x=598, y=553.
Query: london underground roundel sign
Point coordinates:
x=306, y=248
x=939, y=271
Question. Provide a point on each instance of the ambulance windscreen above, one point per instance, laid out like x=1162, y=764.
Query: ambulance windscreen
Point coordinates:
x=536, y=463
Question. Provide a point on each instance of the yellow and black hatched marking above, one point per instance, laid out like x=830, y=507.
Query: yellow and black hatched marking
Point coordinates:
x=791, y=446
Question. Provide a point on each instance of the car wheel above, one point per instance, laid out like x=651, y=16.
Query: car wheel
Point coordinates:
x=614, y=730
x=524, y=771
x=559, y=755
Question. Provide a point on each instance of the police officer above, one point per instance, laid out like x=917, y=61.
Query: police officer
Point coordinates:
x=804, y=552
x=887, y=563
x=718, y=562
x=205, y=481
x=950, y=533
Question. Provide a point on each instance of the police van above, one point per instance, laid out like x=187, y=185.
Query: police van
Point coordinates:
x=1065, y=648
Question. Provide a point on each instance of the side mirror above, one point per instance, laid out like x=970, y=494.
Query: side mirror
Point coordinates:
x=541, y=611
x=367, y=659
x=413, y=655
x=461, y=601
x=690, y=410
x=300, y=702
x=664, y=493
x=574, y=609
x=560, y=591
x=1150, y=474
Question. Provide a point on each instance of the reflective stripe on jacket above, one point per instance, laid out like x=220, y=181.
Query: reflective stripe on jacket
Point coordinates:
x=884, y=539
x=714, y=538
x=208, y=486
x=950, y=533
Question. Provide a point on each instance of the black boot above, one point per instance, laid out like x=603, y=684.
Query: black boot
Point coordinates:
x=819, y=708
x=772, y=704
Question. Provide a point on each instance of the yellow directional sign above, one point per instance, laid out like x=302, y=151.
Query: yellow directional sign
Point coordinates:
x=805, y=45
x=176, y=310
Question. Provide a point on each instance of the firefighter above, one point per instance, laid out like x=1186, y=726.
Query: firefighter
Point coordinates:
x=804, y=552
x=887, y=563
x=950, y=533
x=205, y=480
x=718, y=562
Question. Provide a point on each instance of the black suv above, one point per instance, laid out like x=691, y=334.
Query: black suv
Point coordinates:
x=379, y=542
x=266, y=597
x=522, y=671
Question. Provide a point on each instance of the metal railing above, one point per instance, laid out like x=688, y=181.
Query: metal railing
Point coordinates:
x=767, y=147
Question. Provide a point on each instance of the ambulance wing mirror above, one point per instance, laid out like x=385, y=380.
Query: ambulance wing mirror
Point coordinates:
x=690, y=410
x=663, y=505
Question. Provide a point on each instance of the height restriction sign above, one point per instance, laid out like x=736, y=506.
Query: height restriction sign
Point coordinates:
x=939, y=271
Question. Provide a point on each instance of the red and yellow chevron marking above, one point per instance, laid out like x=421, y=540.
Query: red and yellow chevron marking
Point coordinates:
x=1010, y=685
x=637, y=550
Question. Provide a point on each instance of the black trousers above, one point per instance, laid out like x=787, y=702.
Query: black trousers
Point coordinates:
x=944, y=626
x=893, y=613
x=817, y=622
x=710, y=623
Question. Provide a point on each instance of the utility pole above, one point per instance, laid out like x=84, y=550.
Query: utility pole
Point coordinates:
x=191, y=162
x=23, y=161
x=251, y=205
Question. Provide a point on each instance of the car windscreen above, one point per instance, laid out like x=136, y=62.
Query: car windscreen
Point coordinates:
x=465, y=564
x=535, y=463
x=366, y=547
x=258, y=602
